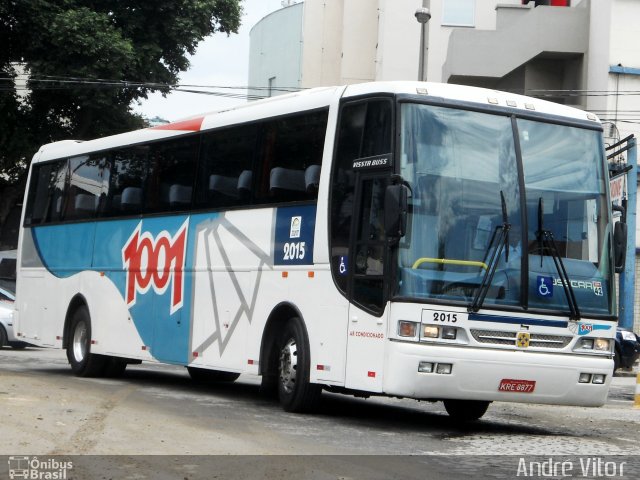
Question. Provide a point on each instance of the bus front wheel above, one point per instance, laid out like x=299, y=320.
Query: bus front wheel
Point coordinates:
x=295, y=392
x=83, y=362
x=466, y=410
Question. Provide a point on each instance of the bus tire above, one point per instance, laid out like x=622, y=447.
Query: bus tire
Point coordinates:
x=83, y=362
x=204, y=375
x=295, y=392
x=466, y=410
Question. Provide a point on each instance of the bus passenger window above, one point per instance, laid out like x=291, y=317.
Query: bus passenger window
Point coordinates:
x=46, y=193
x=226, y=161
x=126, y=182
x=290, y=157
x=85, y=189
x=170, y=181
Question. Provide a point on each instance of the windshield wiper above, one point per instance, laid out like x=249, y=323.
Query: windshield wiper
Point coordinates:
x=501, y=233
x=546, y=241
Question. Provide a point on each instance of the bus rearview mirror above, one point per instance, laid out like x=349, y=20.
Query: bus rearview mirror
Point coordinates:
x=620, y=245
x=395, y=211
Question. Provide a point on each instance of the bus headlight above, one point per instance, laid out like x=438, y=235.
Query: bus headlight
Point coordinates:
x=449, y=333
x=444, y=368
x=594, y=344
x=430, y=331
x=584, y=378
x=586, y=343
x=407, y=329
x=425, y=367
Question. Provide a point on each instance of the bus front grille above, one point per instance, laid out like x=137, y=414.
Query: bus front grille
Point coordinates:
x=496, y=337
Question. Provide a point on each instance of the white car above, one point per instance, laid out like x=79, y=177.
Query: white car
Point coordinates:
x=7, y=297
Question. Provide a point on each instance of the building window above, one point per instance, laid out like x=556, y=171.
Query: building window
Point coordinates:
x=459, y=13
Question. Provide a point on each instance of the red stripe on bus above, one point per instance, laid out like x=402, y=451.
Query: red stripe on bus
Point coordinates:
x=192, y=125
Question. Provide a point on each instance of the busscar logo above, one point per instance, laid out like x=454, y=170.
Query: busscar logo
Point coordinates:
x=155, y=262
x=595, y=286
x=37, y=469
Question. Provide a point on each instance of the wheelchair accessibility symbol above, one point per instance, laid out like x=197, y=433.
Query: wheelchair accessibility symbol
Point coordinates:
x=343, y=266
x=545, y=286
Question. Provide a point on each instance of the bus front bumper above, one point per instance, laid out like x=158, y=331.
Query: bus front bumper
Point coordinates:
x=495, y=375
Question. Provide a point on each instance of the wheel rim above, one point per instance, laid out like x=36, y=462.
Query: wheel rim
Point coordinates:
x=80, y=341
x=288, y=365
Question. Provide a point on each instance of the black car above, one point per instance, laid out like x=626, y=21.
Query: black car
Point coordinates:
x=627, y=349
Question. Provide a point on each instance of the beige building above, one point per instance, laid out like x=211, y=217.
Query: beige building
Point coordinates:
x=579, y=55
x=586, y=54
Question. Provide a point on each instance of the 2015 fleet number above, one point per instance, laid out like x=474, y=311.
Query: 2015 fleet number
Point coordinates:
x=294, y=251
x=445, y=317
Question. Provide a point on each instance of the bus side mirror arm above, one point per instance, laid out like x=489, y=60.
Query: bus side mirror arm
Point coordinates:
x=620, y=240
x=395, y=211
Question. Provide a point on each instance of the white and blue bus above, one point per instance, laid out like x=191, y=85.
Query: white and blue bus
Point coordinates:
x=436, y=242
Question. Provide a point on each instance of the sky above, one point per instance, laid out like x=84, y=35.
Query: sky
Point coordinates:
x=219, y=61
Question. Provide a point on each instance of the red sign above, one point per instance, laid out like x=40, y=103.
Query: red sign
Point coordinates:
x=516, y=386
x=155, y=262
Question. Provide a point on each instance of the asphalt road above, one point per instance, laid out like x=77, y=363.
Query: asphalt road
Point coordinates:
x=158, y=410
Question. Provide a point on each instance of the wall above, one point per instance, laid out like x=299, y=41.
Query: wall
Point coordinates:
x=276, y=50
x=359, y=41
x=322, y=43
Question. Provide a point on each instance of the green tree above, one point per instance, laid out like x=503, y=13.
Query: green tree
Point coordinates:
x=63, y=44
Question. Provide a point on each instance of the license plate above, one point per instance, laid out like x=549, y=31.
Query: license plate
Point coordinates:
x=516, y=386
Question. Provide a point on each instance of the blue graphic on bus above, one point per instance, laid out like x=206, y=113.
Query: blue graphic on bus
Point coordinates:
x=159, y=304
x=295, y=228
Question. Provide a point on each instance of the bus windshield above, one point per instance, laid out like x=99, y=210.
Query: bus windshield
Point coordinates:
x=474, y=237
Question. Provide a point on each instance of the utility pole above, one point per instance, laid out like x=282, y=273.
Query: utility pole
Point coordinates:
x=423, y=15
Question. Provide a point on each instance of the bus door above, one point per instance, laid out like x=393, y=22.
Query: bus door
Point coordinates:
x=367, y=263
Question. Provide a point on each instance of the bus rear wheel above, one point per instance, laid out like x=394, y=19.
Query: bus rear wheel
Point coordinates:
x=295, y=392
x=204, y=375
x=466, y=410
x=83, y=362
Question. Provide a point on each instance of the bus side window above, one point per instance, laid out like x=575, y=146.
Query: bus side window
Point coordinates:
x=290, y=156
x=126, y=182
x=46, y=193
x=171, y=176
x=85, y=187
x=226, y=161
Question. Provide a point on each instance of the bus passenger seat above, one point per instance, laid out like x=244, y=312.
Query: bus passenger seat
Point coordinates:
x=116, y=202
x=131, y=199
x=85, y=203
x=58, y=204
x=244, y=185
x=312, y=178
x=221, y=185
x=179, y=196
x=287, y=179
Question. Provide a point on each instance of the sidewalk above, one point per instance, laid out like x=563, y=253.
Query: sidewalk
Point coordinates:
x=628, y=372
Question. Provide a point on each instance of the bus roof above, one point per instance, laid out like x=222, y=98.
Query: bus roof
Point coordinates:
x=320, y=97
